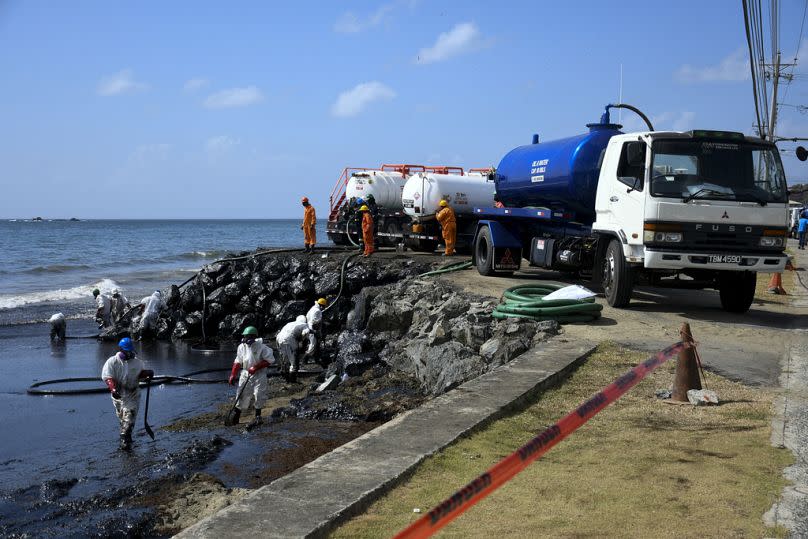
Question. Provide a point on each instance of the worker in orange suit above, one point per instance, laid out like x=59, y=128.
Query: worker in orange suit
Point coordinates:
x=448, y=224
x=367, y=230
x=308, y=226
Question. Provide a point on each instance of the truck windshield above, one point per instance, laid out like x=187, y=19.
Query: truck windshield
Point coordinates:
x=717, y=170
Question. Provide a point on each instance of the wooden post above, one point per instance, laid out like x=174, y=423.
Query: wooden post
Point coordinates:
x=687, y=370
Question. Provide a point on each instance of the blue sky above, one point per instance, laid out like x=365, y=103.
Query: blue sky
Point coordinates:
x=230, y=110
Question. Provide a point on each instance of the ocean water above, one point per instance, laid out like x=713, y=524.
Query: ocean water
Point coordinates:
x=52, y=266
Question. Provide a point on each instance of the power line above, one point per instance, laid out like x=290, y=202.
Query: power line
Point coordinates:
x=752, y=65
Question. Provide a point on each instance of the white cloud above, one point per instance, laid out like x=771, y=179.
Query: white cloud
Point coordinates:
x=118, y=83
x=234, y=97
x=192, y=85
x=350, y=23
x=734, y=67
x=351, y=102
x=221, y=144
x=464, y=37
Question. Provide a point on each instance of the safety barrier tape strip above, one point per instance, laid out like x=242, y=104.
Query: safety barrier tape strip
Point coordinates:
x=507, y=468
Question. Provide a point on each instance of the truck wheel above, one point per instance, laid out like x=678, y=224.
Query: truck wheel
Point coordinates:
x=618, y=277
x=737, y=290
x=484, y=252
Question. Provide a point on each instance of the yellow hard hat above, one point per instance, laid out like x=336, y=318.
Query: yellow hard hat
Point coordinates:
x=322, y=301
x=443, y=203
x=364, y=208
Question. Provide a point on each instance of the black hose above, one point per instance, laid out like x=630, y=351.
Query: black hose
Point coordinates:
x=636, y=111
x=204, y=305
x=159, y=379
x=341, y=280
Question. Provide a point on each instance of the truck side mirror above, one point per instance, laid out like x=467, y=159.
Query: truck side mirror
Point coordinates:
x=802, y=153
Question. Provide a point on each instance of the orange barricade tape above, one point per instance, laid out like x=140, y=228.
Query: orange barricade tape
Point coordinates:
x=507, y=468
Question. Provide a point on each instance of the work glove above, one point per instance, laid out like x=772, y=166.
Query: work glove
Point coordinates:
x=113, y=388
x=234, y=373
x=258, y=366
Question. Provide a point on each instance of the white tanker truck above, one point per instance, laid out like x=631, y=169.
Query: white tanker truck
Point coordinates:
x=406, y=199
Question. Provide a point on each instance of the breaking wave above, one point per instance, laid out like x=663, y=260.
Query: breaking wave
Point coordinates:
x=12, y=301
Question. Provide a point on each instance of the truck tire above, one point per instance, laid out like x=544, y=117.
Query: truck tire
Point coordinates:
x=618, y=276
x=484, y=252
x=737, y=290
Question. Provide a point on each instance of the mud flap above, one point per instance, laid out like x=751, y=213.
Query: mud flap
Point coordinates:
x=507, y=258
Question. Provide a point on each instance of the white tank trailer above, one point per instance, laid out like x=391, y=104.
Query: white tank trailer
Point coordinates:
x=423, y=192
x=385, y=186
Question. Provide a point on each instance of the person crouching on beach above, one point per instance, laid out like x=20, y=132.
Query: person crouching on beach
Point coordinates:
x=58, y=327
x=122, y=373
x=252, y=356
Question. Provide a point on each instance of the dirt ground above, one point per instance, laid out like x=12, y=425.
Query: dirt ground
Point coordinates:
x=747, y=347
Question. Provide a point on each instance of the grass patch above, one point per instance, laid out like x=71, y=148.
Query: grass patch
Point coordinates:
x=641, y=468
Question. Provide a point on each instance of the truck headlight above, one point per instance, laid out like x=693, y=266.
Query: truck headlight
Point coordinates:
x=770, y=241
x=662, y=233
x=664, y=237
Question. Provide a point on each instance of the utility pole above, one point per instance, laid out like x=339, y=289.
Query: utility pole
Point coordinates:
x=776, y=75
x=775, y=81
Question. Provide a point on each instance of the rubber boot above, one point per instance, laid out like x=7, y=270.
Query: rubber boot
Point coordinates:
x=126, y=440
x=256, y=421
x=236, y=416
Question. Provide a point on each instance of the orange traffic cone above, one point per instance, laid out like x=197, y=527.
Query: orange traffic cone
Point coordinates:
x=776, y=285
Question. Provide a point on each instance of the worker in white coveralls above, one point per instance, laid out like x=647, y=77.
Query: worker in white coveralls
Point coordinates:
x=58, y=327
x=151, y=309
x=252, y=357
x=103, y=310
x=289, y=340
x=122, y=374
x=120, y=304
x=315, y=320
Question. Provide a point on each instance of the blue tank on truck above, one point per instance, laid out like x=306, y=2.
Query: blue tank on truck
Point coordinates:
x=560, y=174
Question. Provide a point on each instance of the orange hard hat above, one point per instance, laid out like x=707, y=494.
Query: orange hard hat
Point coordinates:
x=304, y=199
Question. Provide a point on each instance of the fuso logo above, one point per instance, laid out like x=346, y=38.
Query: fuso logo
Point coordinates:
x=725, y=216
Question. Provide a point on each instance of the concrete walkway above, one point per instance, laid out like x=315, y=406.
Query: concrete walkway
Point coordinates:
x=316, y=498
x=790, y=427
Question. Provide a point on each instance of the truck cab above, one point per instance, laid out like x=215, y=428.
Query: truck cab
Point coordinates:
x=709, y=207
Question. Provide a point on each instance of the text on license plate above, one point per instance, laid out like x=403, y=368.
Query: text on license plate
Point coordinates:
x=725, y=259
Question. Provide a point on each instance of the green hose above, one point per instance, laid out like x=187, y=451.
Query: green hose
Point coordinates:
x=450, y=267
x=526, y=301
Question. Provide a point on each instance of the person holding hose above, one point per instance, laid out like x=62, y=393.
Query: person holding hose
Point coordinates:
x=367, y=230
x=308, y=226
x=122, y=373
x=252, y=356
x=448, y=224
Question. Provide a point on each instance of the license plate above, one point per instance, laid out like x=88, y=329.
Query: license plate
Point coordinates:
x=725, y=259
